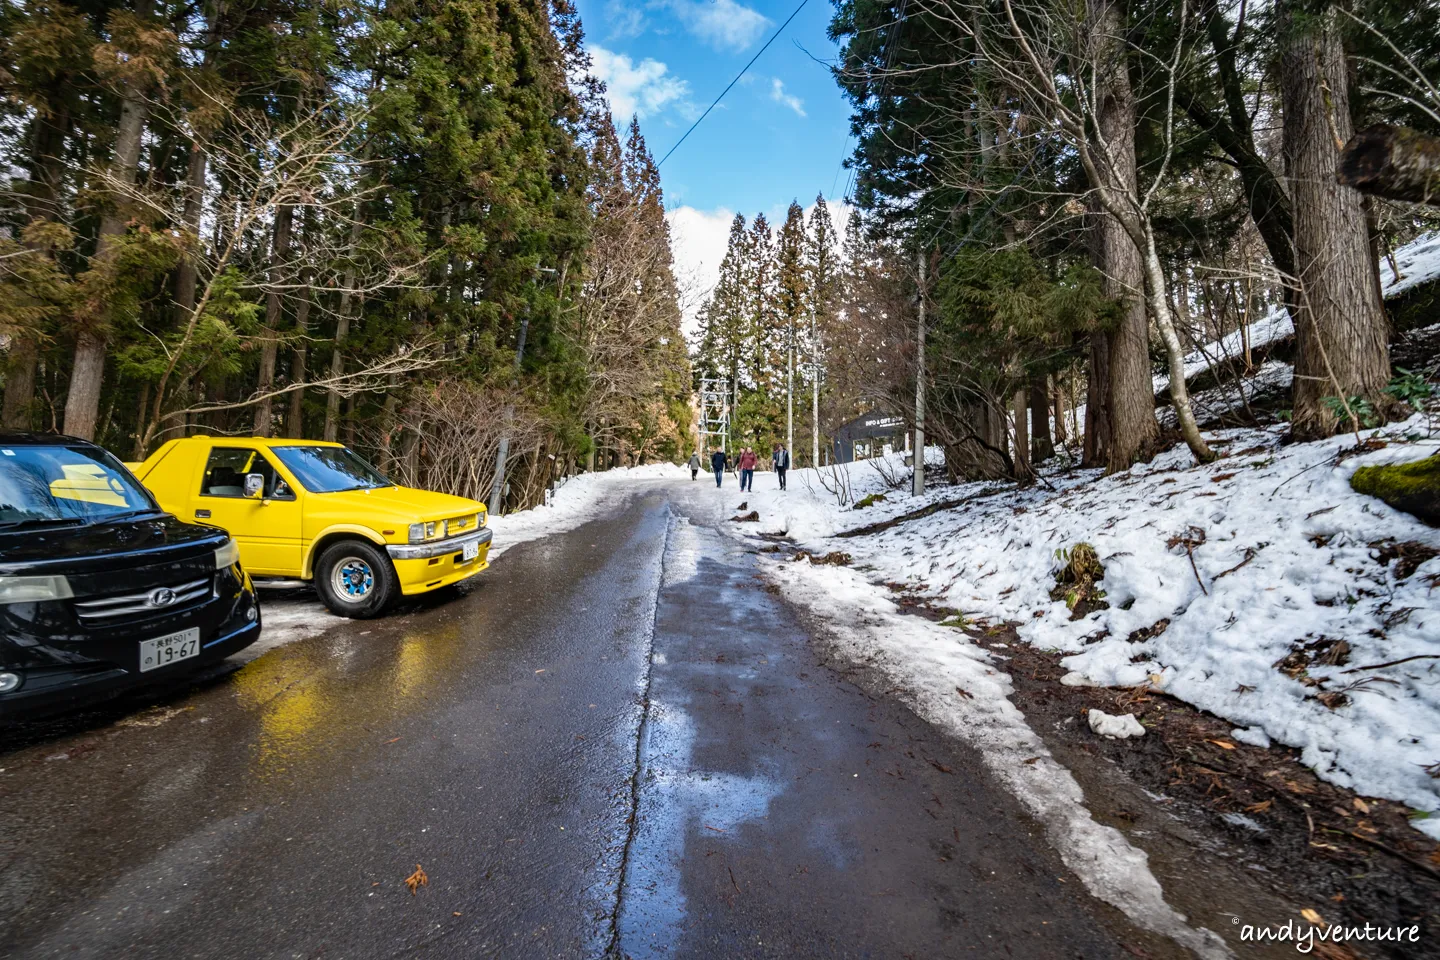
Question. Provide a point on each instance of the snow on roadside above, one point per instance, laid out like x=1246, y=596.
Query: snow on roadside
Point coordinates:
x=577, y=502
x=295, y=613
x=1280, y=544
x=950, y=683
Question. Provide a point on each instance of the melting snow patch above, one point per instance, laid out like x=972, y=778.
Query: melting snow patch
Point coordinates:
x=1115, y=728
x=1240, y=820
x=1255, y=736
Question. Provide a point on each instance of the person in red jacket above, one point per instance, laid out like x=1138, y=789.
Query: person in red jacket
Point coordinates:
x=748, y=459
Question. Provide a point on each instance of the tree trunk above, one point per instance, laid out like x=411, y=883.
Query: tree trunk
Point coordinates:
x=1341, y=333
x=41, y=197
x=274, y=309
x=185, y=273
x=1096, y=446
x=1155, y=290
x=1019, y=406
x=295, y=418
x=86, y=376
x=1059, y=395
x=350, y=421
x=1041, y=447
x=342, y=330
x=19, y=386
x=1134, y=431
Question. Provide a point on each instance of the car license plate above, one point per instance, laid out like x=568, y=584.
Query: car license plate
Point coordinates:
x=172, y=648
x=469, y=552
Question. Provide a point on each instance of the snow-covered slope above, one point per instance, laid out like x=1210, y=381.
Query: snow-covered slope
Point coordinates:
x=1284, y=567
x=1419, y=262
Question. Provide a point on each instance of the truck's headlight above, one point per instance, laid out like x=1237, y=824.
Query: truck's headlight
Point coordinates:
x=228, y=555
x=430, y=529
x=484, y=518
x=417, y=533
x=34, y=589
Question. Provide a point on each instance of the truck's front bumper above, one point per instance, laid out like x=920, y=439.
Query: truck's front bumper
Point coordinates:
x=422, y=567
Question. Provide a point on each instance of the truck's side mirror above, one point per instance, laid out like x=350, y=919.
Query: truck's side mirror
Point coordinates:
x=254, y=485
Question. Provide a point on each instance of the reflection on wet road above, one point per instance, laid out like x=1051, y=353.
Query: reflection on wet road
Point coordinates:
x=783, y=812
x=276, y=813
x=618, y=742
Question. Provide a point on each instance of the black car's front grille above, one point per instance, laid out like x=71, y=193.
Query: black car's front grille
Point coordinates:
x=151, y=602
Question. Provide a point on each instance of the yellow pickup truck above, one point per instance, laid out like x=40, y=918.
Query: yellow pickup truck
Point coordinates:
x=306, y=510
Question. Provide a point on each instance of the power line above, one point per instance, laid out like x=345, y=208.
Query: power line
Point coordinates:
x=732, y=83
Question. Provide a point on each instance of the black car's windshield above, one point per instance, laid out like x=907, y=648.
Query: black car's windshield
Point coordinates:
x=60, y=485
x=329, y=469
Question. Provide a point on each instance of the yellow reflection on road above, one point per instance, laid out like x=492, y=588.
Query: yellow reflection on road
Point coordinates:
x=308, y=705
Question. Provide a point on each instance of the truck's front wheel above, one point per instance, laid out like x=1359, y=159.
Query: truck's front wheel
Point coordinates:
x=355, y=579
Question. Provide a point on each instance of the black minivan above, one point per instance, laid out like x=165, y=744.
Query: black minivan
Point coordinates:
x=101, y=590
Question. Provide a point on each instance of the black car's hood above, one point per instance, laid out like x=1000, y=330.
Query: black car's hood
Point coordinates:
x=97, y=547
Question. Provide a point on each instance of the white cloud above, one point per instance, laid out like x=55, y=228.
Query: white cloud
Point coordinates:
x=698, y=239
x=625, y=21
x=724, y=24
x=778, y=94
x=641, y=89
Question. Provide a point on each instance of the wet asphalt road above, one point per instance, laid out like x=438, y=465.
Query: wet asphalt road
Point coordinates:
x=502, y=738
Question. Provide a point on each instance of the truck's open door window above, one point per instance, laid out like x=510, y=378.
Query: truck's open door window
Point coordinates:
x=226, y=469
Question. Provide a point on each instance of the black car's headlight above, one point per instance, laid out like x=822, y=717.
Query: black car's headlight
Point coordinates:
x=34, y=589
x=228, y=555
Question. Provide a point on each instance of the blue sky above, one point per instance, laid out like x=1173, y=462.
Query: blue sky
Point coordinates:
x=778, y=135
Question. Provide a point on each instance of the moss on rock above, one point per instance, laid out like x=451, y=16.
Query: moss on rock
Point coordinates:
x=1412, y=487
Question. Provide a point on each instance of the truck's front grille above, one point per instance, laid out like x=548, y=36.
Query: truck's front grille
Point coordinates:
x=153, y=602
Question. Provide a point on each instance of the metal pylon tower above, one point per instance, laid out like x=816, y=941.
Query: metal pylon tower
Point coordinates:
x=715, y=413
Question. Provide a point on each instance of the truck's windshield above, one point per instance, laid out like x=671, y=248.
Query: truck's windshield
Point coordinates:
x=48, y=485
x=329, y=469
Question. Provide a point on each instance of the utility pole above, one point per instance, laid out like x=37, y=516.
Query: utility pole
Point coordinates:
x=917, y=482
x=790, y=389
x=814, y=391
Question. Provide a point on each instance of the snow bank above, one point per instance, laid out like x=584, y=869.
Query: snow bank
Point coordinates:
x=1282, y=568
x=578, y=501
x=1419, y=262
x=1274, y=325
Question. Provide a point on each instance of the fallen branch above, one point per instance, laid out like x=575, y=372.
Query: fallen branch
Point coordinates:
x=917, y=514
x=1394, y=663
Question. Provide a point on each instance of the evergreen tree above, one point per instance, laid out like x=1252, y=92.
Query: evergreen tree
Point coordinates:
x=792, y=301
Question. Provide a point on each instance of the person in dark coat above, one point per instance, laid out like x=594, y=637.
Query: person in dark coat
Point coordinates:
x=781, y=459
x=717, y=463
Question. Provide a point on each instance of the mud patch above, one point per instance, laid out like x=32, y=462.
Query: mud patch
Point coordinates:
x=1269, y=837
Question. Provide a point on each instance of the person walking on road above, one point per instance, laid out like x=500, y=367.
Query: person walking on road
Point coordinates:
x=694, y=465
x=717, y=463
x=748, y=460
x=781, y=459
